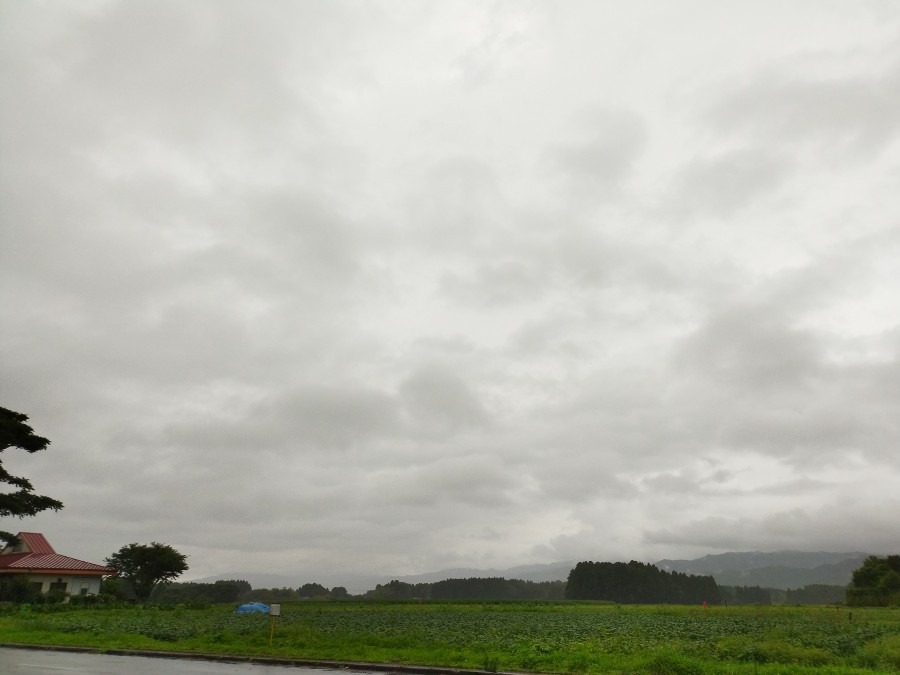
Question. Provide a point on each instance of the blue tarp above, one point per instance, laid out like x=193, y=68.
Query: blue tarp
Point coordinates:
x=253, y=607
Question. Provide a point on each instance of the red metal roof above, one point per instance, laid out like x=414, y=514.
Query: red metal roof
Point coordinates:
x=49, y=561
x=35, y=542
x=39, y=556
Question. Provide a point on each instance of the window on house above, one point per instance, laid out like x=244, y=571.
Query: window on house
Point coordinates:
x=58, y=586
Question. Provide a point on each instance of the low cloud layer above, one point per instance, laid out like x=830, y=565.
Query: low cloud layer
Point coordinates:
x=315, y=288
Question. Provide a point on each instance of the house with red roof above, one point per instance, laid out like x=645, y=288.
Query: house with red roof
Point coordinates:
x=46, y=570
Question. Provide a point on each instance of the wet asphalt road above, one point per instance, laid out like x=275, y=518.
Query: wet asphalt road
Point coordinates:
x=37, y=662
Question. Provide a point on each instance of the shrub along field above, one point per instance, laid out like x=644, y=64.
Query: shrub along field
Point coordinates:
x=515, y=636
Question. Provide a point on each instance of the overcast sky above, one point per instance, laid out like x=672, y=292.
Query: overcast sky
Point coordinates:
x=308, y=287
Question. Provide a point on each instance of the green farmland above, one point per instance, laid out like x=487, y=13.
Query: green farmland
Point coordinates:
x=537, y=637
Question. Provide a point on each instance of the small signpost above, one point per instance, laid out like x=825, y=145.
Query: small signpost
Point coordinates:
x=274, y=612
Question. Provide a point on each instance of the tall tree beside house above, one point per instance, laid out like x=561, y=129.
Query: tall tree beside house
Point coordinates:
x=16, y=433
x=144, y=566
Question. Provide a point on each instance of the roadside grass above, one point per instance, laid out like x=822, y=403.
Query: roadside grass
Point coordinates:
x=512, y=636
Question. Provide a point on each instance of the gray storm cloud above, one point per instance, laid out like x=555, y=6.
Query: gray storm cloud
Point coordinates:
x=394, y=287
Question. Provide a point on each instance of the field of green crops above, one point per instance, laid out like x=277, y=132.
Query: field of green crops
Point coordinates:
x=537, y=637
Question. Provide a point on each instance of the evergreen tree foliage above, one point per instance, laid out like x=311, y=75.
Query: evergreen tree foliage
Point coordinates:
x=399, y=590
x=745, y=595
x=495, y=588
x=16, y=433
x=638, y=583
x=473, y=588
x=817, y=594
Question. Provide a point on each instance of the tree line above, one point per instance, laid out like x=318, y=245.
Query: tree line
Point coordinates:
x=638, y=583
x=811, y=594
x=473, y=588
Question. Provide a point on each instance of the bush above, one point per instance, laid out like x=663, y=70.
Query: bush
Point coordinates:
x=883, y=653
x=670, y=663
x=15, y=588
x=77, y=601
x=49, y=598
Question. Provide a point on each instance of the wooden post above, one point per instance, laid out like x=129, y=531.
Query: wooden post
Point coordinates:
x=274, y=613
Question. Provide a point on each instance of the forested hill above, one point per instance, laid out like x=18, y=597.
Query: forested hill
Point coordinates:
x=780, y=569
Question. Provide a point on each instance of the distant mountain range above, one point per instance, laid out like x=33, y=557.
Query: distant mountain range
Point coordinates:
x=779, y=569
x=558, y=571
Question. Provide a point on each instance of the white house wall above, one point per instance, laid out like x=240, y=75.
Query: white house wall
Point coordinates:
x=73, y=583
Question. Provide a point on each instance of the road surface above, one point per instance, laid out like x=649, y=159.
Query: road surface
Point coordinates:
x=39, y=662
